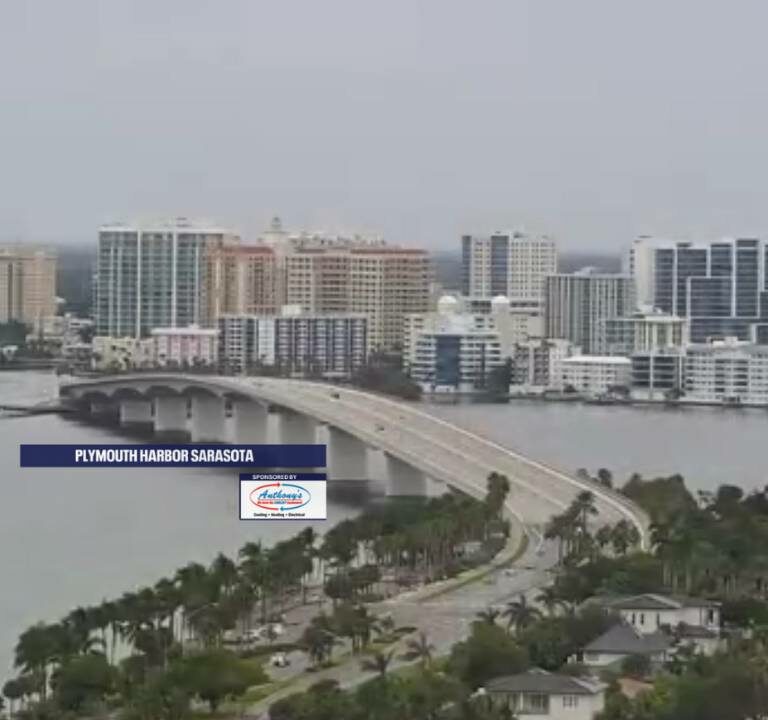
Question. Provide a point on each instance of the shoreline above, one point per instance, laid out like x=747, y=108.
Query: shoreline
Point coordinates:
x=473, y=398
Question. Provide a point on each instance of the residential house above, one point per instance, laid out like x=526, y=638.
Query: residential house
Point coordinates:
x=623, y=641
x=648, y=613
x=540, y=694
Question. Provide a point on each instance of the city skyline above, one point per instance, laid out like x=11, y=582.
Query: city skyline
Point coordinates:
x=581, y=122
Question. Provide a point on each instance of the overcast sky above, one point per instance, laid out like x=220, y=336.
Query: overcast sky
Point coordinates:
x=592, y=120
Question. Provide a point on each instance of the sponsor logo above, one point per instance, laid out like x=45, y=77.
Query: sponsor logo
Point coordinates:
x=280, y=496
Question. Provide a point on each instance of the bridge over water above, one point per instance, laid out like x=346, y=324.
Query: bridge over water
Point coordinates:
x=412, y=445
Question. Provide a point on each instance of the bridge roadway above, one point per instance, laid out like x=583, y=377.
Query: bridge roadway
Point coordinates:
x=415, y=444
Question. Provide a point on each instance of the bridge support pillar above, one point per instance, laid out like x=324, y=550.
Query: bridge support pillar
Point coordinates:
x=136, y=413
x=347, y=456
x=296, y=429
x=208, y=422
x=171, y=417
x=402, y=478
x=104, y=411
x=248, y=424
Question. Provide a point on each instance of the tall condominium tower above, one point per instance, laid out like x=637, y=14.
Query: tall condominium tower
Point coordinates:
x=27, y=285
x=242, y=279
x=380, y=281
x=512, y=264
x=720, y=286
x=150, y=276
x=577, y=306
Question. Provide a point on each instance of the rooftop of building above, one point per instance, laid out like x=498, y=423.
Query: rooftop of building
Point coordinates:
x=188, y=330
x=653, y=601
x=597, y=360
x=623, y=639
x=164, y=225
x=592, y=272
x=543, y=682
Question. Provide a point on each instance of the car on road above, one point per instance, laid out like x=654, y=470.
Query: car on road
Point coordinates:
x=279, y=660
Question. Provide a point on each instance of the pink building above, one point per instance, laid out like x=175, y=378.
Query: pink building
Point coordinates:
x=185, y=346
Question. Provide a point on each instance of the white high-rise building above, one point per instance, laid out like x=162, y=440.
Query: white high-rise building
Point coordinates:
x=153, y=275
x=512, y=264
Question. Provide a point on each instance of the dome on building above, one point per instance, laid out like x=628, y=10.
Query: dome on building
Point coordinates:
x=447, y=304
x=500, y=302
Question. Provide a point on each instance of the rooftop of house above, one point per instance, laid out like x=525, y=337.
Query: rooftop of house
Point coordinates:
x=541, y=681
x=623, y=639
x=653, y=601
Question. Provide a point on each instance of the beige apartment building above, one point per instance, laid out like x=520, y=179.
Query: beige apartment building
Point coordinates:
x=323, y=275
x=27, y=285
x=384, y=283
x=242, y=279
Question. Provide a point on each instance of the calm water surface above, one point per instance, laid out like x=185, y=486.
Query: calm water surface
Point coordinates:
x=708, y=446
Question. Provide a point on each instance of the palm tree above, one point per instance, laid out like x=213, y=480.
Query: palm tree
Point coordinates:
x=419, y=648
x=254, y=566
x=378, y=662
x=13, y=690
x=561, y=528
x=623, y=536
x=317, y=642
x=550, y=600
x=195, y=587
x=35, y=650
x=223, y=573
x=604, y=536
x=168, y=600
x=498, y=489
x=520, y=614
x=583, y=507
x=489, y=615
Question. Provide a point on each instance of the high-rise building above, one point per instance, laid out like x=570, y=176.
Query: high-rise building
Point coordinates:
x=576, y=305
x=720, y=286
x=27, y=285
x=295, y=343
x=243, y=279
x=150, y=276
x=512, y=264
x=382, y=282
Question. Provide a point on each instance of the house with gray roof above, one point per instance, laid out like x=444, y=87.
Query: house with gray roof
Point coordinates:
x=541, y=694
x=649, y=613
x=622, y=641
